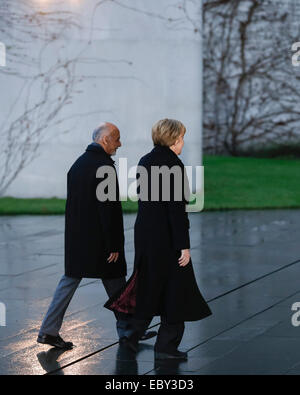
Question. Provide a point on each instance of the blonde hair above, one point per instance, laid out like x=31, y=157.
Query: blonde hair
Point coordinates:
x=166, y=131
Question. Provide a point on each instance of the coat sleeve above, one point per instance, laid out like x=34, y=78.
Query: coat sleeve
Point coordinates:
x=111, y=220
x=178, y=217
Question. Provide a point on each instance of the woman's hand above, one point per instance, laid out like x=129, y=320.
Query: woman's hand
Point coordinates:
x=185, y=258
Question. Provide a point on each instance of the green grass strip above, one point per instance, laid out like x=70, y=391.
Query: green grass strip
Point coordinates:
x=230, y=183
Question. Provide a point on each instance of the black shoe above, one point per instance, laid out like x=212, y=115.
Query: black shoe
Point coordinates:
x=129, y=343
x=148, y=335
x=174, y=355
x=55, y=341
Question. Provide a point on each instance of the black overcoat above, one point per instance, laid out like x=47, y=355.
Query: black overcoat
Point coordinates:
x=93, y=229
x=161, y=231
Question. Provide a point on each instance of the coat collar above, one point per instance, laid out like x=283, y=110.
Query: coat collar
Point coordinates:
x=94, y=147
x=166, y=151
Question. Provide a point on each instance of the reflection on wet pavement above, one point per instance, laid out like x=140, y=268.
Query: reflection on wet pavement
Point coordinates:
x=247, y=265
x=49, y=360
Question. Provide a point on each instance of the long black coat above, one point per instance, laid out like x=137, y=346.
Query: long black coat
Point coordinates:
x=161, y=232
x=93, y=229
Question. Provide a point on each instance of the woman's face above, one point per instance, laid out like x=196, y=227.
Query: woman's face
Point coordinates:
x=178, y=145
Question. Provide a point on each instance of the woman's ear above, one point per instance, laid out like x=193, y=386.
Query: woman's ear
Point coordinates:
x=176, y=142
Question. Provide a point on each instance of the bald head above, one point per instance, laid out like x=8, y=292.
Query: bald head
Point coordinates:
x=108, y=136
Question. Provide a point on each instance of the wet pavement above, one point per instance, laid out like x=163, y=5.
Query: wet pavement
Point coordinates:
x=247, y=265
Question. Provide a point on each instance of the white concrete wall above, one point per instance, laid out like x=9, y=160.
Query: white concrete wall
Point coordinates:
x=162, y=80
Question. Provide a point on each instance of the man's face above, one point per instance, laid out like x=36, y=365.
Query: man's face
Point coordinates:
x=113, y=141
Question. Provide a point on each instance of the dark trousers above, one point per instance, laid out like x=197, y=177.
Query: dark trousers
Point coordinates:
x=169, y=334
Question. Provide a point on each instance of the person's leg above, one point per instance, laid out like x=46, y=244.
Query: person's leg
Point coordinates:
x=112, y=286
x=54, y=318
x=138, y=327
x=169, y=337
x=124, y=321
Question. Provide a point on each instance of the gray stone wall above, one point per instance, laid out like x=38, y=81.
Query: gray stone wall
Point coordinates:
x=134, y=62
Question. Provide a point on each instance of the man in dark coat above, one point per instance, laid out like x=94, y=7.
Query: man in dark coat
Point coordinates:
x=94, y=234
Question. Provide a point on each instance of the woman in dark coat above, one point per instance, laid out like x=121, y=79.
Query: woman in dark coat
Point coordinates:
x=163, y=282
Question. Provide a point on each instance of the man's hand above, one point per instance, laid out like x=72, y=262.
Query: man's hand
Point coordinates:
x=185, y=258
x=113, y=257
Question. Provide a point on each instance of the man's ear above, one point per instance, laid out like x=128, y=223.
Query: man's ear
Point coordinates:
x=104, y=140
